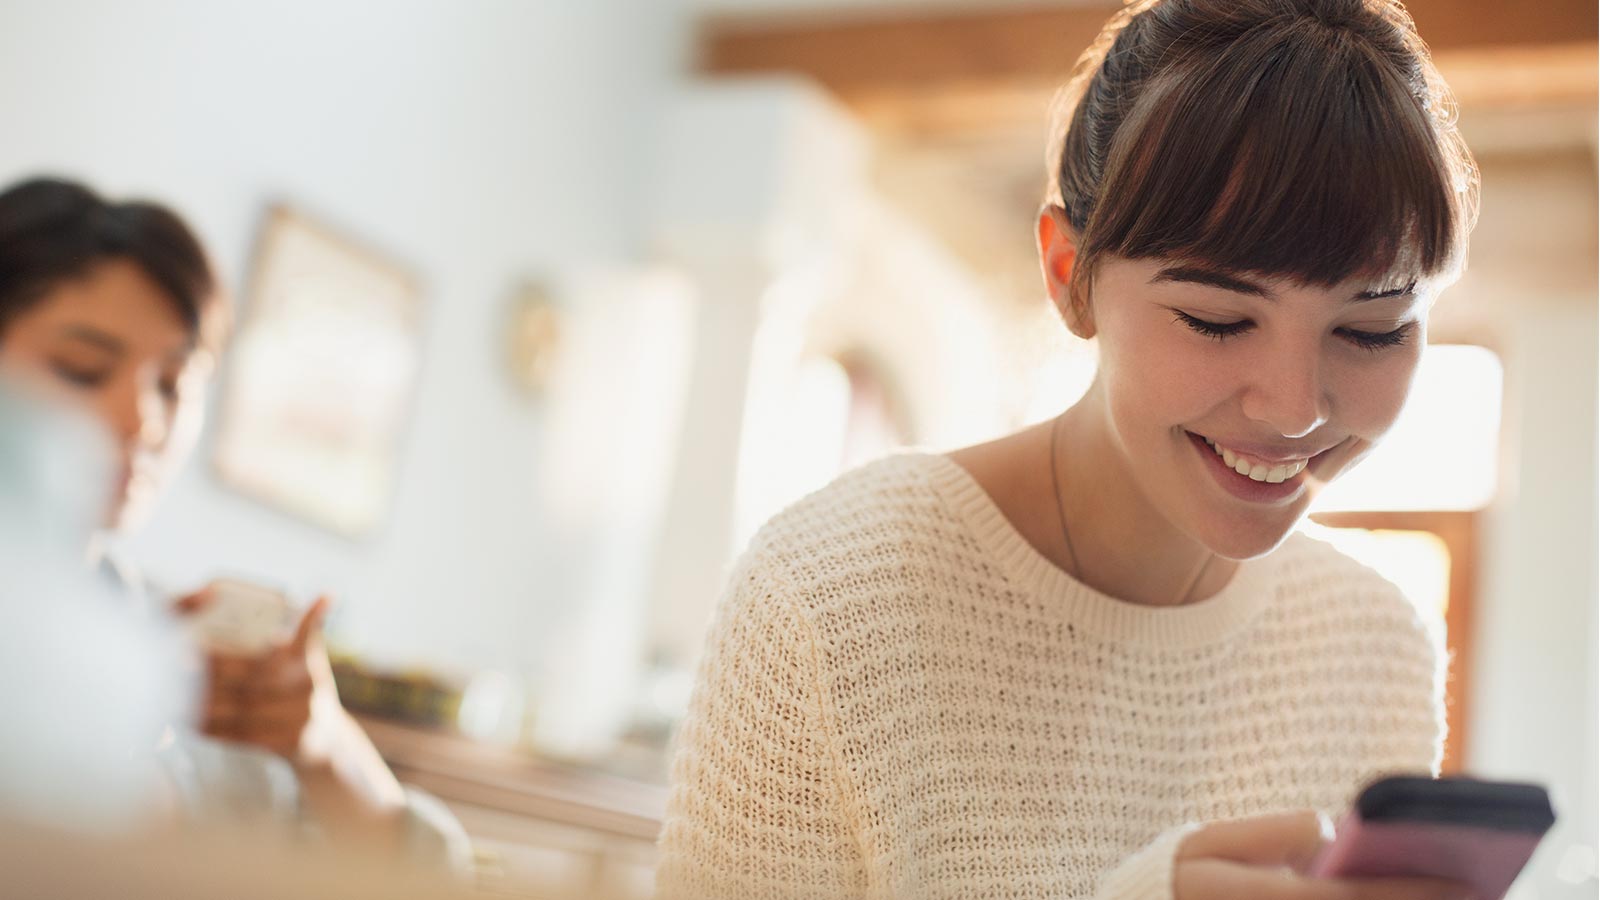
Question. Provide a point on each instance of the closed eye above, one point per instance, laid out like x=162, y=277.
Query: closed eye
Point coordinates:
x=1216, y=330
x=79, y=377
x=1367, y=340
x=1372, y=340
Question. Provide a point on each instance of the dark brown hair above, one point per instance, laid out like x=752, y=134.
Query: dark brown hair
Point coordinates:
x=1309, y=139
x=53, y=231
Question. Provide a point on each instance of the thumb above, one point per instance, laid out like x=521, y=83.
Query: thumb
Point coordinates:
x=310, y=625
x=1286, y=839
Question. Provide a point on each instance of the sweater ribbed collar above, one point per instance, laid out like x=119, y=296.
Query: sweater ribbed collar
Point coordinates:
x=1208, y=621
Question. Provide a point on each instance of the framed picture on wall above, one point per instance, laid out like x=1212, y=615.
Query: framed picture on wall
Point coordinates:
x=321, y=378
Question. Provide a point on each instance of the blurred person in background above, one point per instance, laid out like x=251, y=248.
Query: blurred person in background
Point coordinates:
x=111, y=308
x=1096, y=658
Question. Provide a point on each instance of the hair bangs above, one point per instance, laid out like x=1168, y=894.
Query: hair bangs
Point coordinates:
x=1286, y=160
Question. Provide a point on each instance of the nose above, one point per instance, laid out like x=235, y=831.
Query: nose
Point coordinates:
x=1288, y=392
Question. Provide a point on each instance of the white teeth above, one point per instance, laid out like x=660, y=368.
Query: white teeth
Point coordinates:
x=1255, y=471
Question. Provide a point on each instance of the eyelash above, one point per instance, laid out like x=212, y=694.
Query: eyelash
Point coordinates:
x=82, y=379
x=78, y=377
x=1366, y=340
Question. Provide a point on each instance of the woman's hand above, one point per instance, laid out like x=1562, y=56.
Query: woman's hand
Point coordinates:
x=1266, y=858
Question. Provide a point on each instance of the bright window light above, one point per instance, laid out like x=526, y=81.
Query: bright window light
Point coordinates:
x=1418, y=562
x=794, y=441
x=1443, y=453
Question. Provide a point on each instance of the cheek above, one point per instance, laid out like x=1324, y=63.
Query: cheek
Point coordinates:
x=1165, y=379
x=1371, y=393
x=27, y=368
x=23, y=363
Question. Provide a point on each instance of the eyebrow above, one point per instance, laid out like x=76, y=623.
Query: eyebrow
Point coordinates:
x=1225, y=281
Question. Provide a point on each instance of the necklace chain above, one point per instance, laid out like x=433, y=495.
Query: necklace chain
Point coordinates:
x=1066, y=535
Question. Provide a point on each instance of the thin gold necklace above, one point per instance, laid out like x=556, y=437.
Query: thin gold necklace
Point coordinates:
x=1066, y=536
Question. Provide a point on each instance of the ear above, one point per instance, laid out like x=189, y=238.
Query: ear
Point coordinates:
x=1058, y=254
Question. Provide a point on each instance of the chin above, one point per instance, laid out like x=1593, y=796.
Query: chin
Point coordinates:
x=1242, y=544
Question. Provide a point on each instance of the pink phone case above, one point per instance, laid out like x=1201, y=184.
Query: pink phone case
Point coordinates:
x=1480, y=833
x=1485, y=858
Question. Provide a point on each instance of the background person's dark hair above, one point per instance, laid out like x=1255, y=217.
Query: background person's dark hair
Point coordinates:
x=53, y=231
x=1309, y=139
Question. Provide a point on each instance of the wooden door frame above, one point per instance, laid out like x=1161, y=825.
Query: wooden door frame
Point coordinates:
x=1460, y=531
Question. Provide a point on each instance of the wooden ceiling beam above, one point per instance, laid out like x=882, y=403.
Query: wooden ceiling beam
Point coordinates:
x=1487, y=80
x=865, y=53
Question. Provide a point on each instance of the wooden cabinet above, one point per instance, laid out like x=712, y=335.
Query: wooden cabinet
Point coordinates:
x=537, y=827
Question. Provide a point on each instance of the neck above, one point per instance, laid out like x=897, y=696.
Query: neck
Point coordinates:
x=1126, y=547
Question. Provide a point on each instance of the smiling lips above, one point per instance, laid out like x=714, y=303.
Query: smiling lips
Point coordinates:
x=1273, y=472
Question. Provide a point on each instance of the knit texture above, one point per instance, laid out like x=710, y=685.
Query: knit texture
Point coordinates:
x=900, y=697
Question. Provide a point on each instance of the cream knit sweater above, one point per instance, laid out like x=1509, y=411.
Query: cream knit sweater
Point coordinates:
x=901, y=698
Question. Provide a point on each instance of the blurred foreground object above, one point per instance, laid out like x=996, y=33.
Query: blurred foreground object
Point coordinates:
x=90, y=683
x=44, y=865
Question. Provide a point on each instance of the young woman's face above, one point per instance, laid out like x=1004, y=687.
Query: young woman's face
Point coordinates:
x=113, y=342
x=1204, y=373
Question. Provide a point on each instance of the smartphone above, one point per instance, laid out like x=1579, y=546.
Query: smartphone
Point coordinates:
x=242, y=618
x=1480, y=833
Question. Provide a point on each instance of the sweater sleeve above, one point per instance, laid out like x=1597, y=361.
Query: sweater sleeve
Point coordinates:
x=1430, y=690
x=756, y=809
x=1410, y=652
x=1147, y=874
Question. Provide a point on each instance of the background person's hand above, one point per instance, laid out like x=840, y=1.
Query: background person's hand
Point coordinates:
x=272, y=700
x=284, y=700
x=1266, y=858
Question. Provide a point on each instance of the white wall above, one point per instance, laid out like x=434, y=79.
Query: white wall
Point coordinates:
x=1532, y=287
x=476, y=142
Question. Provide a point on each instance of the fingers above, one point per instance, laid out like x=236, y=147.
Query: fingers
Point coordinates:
x=275, y=722
x=290, y=712
x=1218, y=879
x=262, y=701
x=256, y=677
x=1386, y=889
x=266, y=700
x=279, y=703
x=222, y=713
x=1288, y=839
x=229, y=668
x=281, y=737
x=310, y=626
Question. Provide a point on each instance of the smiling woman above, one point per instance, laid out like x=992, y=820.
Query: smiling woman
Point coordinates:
x=1053, y=665
x=1267, y=371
